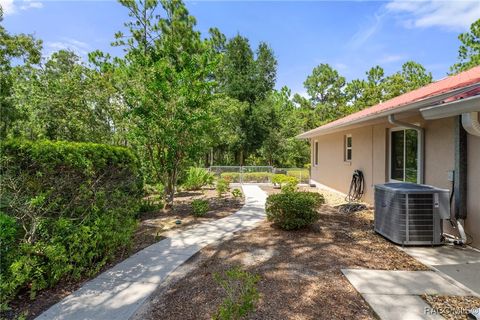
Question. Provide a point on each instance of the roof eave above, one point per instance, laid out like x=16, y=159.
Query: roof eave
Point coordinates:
x=423, y=103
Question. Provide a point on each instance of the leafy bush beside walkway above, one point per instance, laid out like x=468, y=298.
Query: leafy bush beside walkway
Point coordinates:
x=66, y=208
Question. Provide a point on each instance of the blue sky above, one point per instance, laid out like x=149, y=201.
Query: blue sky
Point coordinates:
x=351, y=36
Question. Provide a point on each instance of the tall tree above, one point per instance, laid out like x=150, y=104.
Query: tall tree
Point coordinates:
x=325, y=86
x=469, y=51
x=27, y=50
x=412, y=76
x=167, y=68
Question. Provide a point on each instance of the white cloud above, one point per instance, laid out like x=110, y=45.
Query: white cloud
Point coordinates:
x=7, y=6
x=76, y=46
x=10, y=6
x=453, y=15
x=366, y=32
x=389, y=58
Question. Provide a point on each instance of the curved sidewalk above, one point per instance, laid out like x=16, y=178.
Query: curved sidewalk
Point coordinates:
x=120, y=291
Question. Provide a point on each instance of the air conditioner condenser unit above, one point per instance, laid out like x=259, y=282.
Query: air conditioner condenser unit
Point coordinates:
x=411, y=214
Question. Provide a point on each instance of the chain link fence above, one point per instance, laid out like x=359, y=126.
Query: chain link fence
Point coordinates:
x=258, y=174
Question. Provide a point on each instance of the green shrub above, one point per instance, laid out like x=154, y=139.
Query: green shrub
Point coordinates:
x=198, y=178
x=302, y=175
x=150, y=204
x=257, y=177
x=241, y=293
x=293, y=210
x=200, y=207
x=155, y=189
x=223, y=186
x=285, y=181
x=231, y=176
x=237, y=193
x=74, y=205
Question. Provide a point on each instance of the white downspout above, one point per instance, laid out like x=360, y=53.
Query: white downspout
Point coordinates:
x=470, y=123
x=421, y=137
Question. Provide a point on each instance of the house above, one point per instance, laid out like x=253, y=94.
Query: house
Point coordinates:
x=429, y=136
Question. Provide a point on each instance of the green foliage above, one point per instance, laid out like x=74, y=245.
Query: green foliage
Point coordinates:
x=284, y=180
x=166, y=80
x=233, y=177
x=293, y=210
x=198, y=178
x=237, y=193
x=200, y=207
x=74, y=204
x=150, y=204
x=469, y=51
x=223, y=185
x=241, y=292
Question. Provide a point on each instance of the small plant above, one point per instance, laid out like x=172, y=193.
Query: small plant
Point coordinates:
x=198, y=178
x=223, y=186
x=283, y=181
x=236, y=193
x=241, y=293
x=150, y=204
x=200, y=207
x=293, y=210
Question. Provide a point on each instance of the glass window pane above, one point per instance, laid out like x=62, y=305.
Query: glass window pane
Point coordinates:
x=349, y=142
x=349, y=154
x=316, y=153
x=397, y=155
x=411, y=149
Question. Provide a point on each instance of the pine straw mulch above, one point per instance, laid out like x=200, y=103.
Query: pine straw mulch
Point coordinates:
x=153, y=227
x=300, y=271
x=453, y=307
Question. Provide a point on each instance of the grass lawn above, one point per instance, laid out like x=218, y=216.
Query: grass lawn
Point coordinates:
x=300, y=270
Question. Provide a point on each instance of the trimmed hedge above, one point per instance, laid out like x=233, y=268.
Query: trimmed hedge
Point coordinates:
x=254, y=177
x=293, y=210
x=68, y=208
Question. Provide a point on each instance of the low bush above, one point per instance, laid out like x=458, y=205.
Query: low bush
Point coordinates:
x=231, y=176
x=253, y=177
x=198, y=178
x=293, y=210
x=237, y=193
x=67, y=209
x=302, y=175
x=151, y=204
x=241, y=293
x=200, y=207
x=257, y=177
x=284, y=181
x=223, y=186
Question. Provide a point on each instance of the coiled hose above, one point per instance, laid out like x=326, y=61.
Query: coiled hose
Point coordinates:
x=357, y=187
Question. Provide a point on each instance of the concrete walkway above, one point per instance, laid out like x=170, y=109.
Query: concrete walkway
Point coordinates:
x=395, y=295
x=456, y=263
x=120, y=291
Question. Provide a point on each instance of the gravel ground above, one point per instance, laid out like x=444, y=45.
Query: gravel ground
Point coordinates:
x=299, y=270
x=452, y=307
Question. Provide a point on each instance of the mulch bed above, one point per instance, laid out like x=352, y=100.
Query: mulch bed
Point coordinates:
x=453, y=307
x=151, y=229
x=300, y=270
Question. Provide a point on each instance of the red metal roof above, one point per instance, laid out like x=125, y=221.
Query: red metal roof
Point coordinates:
x=463, y=79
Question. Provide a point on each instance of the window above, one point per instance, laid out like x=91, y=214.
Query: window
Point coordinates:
x=315, y=153
x=347, y=154
x=404, y=155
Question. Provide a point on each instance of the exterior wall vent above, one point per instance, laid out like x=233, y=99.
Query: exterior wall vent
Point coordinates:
x=411, y=214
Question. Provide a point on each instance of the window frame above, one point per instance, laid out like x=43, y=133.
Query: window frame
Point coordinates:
x=315, y=153
x=346, y=148
x=390, y=148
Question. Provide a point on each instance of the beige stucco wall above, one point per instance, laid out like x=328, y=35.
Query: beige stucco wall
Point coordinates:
x=472, y=223
x=370, y=154
x=337, y=174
